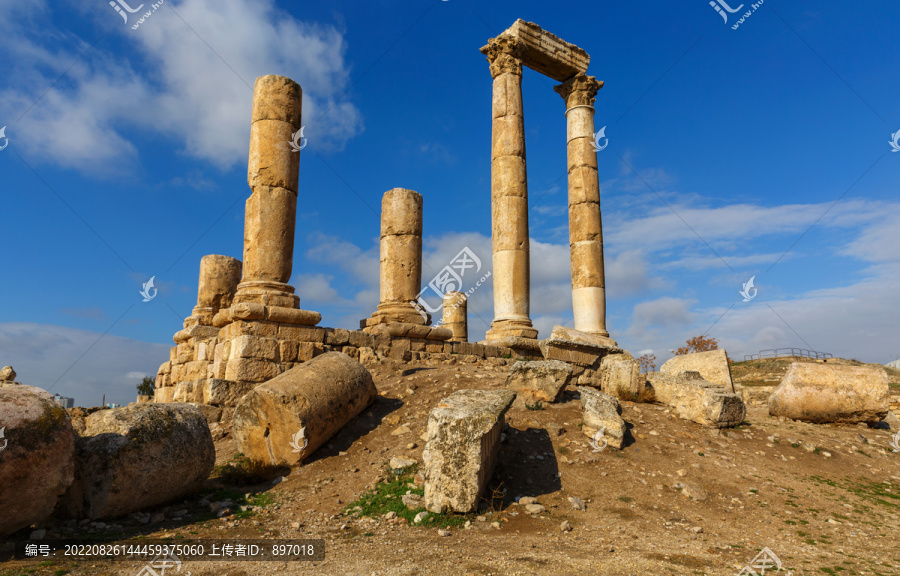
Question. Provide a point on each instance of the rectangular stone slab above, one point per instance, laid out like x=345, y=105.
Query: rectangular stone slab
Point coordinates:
x=693, y=398
x=547, y=53
x=463, y=441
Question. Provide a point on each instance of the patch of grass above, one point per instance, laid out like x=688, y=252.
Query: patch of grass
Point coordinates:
x=60, y=572
x=863, y=453
x=625, y=499
x=387, y=497
x=817, y=451
x=241, y=470
x=536, y=406
x=700, y=454
x=795, y=445
x=791, y=522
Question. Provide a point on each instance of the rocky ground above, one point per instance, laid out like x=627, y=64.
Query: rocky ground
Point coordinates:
x=678, y=499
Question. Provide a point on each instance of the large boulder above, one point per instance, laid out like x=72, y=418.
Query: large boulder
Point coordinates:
x=139, y=456
x=602, y=412
x=284, y=420
x=461, y=448
x=712, y=366
x=695, y=399
x=538, y=381
x=37, y=456
x=831, y=393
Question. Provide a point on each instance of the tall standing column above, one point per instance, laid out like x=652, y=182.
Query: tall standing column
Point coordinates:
x=401, y=259
x=585, y=229
x=509, y=193
x=271, y=210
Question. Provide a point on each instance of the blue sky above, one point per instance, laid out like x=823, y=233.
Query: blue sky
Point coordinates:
x=762, y=151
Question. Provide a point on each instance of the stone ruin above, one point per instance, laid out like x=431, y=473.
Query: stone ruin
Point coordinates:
x=248, y=328
x=249, y=357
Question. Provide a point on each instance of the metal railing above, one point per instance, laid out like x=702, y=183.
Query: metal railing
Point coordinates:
x=788, y=352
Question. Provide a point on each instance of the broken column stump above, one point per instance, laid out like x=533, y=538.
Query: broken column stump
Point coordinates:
x=284, y=420
x=463, y=441
x=538, y=381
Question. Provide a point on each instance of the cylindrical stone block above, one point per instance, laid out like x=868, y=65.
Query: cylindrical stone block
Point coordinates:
x=269, y=235
x=401, y=256
x=219, y=277
x=276, y=115
x=284, y=420
x=456, y=315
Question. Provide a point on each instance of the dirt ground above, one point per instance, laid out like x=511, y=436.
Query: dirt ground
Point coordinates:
x=678, y=499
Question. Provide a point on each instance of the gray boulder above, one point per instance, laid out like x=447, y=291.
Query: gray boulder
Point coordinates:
x=136, y=457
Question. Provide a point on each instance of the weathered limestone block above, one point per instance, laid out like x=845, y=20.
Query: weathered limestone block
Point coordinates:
x=251, y=369
x=712, y=365
x=284, y=420
x=220, y=392
x=455, y=312
x=602, y=412
x=620, y=376
x=37, y=460
x=139, y=456
x=163, y=395
x=831, y=393
x=463, y=441
x=695, y=399
x=540, y=381
x=547, y=53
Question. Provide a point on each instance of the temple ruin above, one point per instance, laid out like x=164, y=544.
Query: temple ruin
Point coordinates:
x=248, y=327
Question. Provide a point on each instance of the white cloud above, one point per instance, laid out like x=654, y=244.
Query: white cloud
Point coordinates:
x=176, y=84
x=80, y=364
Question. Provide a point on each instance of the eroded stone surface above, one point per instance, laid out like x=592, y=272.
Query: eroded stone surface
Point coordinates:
x=695, y=399
x=284, y=420
x=37, y=460
x=602, y=412
x=539, y=381
x=831, y=393
x=463, y=440
x=712, y=365
x=138, y=456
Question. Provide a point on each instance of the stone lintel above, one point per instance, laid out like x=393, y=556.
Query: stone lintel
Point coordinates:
x=547, y=53
x=407, y=330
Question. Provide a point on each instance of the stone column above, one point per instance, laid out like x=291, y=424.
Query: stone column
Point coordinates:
x=509, y=193
x=401, y=259
x=219, y=278
x=456, y=315
x=585, y=230
x=272, y=172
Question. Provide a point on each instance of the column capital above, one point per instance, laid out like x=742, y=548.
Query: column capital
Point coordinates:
x=579, y=90
x=505, y=55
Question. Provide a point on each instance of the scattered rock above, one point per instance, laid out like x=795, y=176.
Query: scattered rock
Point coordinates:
x=7, y=374
x=413, y=501
x=420, y=517
x=444, y=533
x=463, y=443
x=390, y=515
x=37, y=463
x=820, y=393
x=399, y=463
x=577, y=503
x=401, y=430
x=534, y=509
x=565, y=526
x=538, y=381
x=862, y=439
x=694, y=492
x=495, y=525
x=526, y=500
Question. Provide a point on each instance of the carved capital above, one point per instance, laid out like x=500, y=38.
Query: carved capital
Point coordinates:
x=505, y=55
x=579, y=90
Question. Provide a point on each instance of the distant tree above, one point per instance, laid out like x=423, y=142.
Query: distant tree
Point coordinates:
x=697, y=344
x=146, y=387
x=648, y=363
